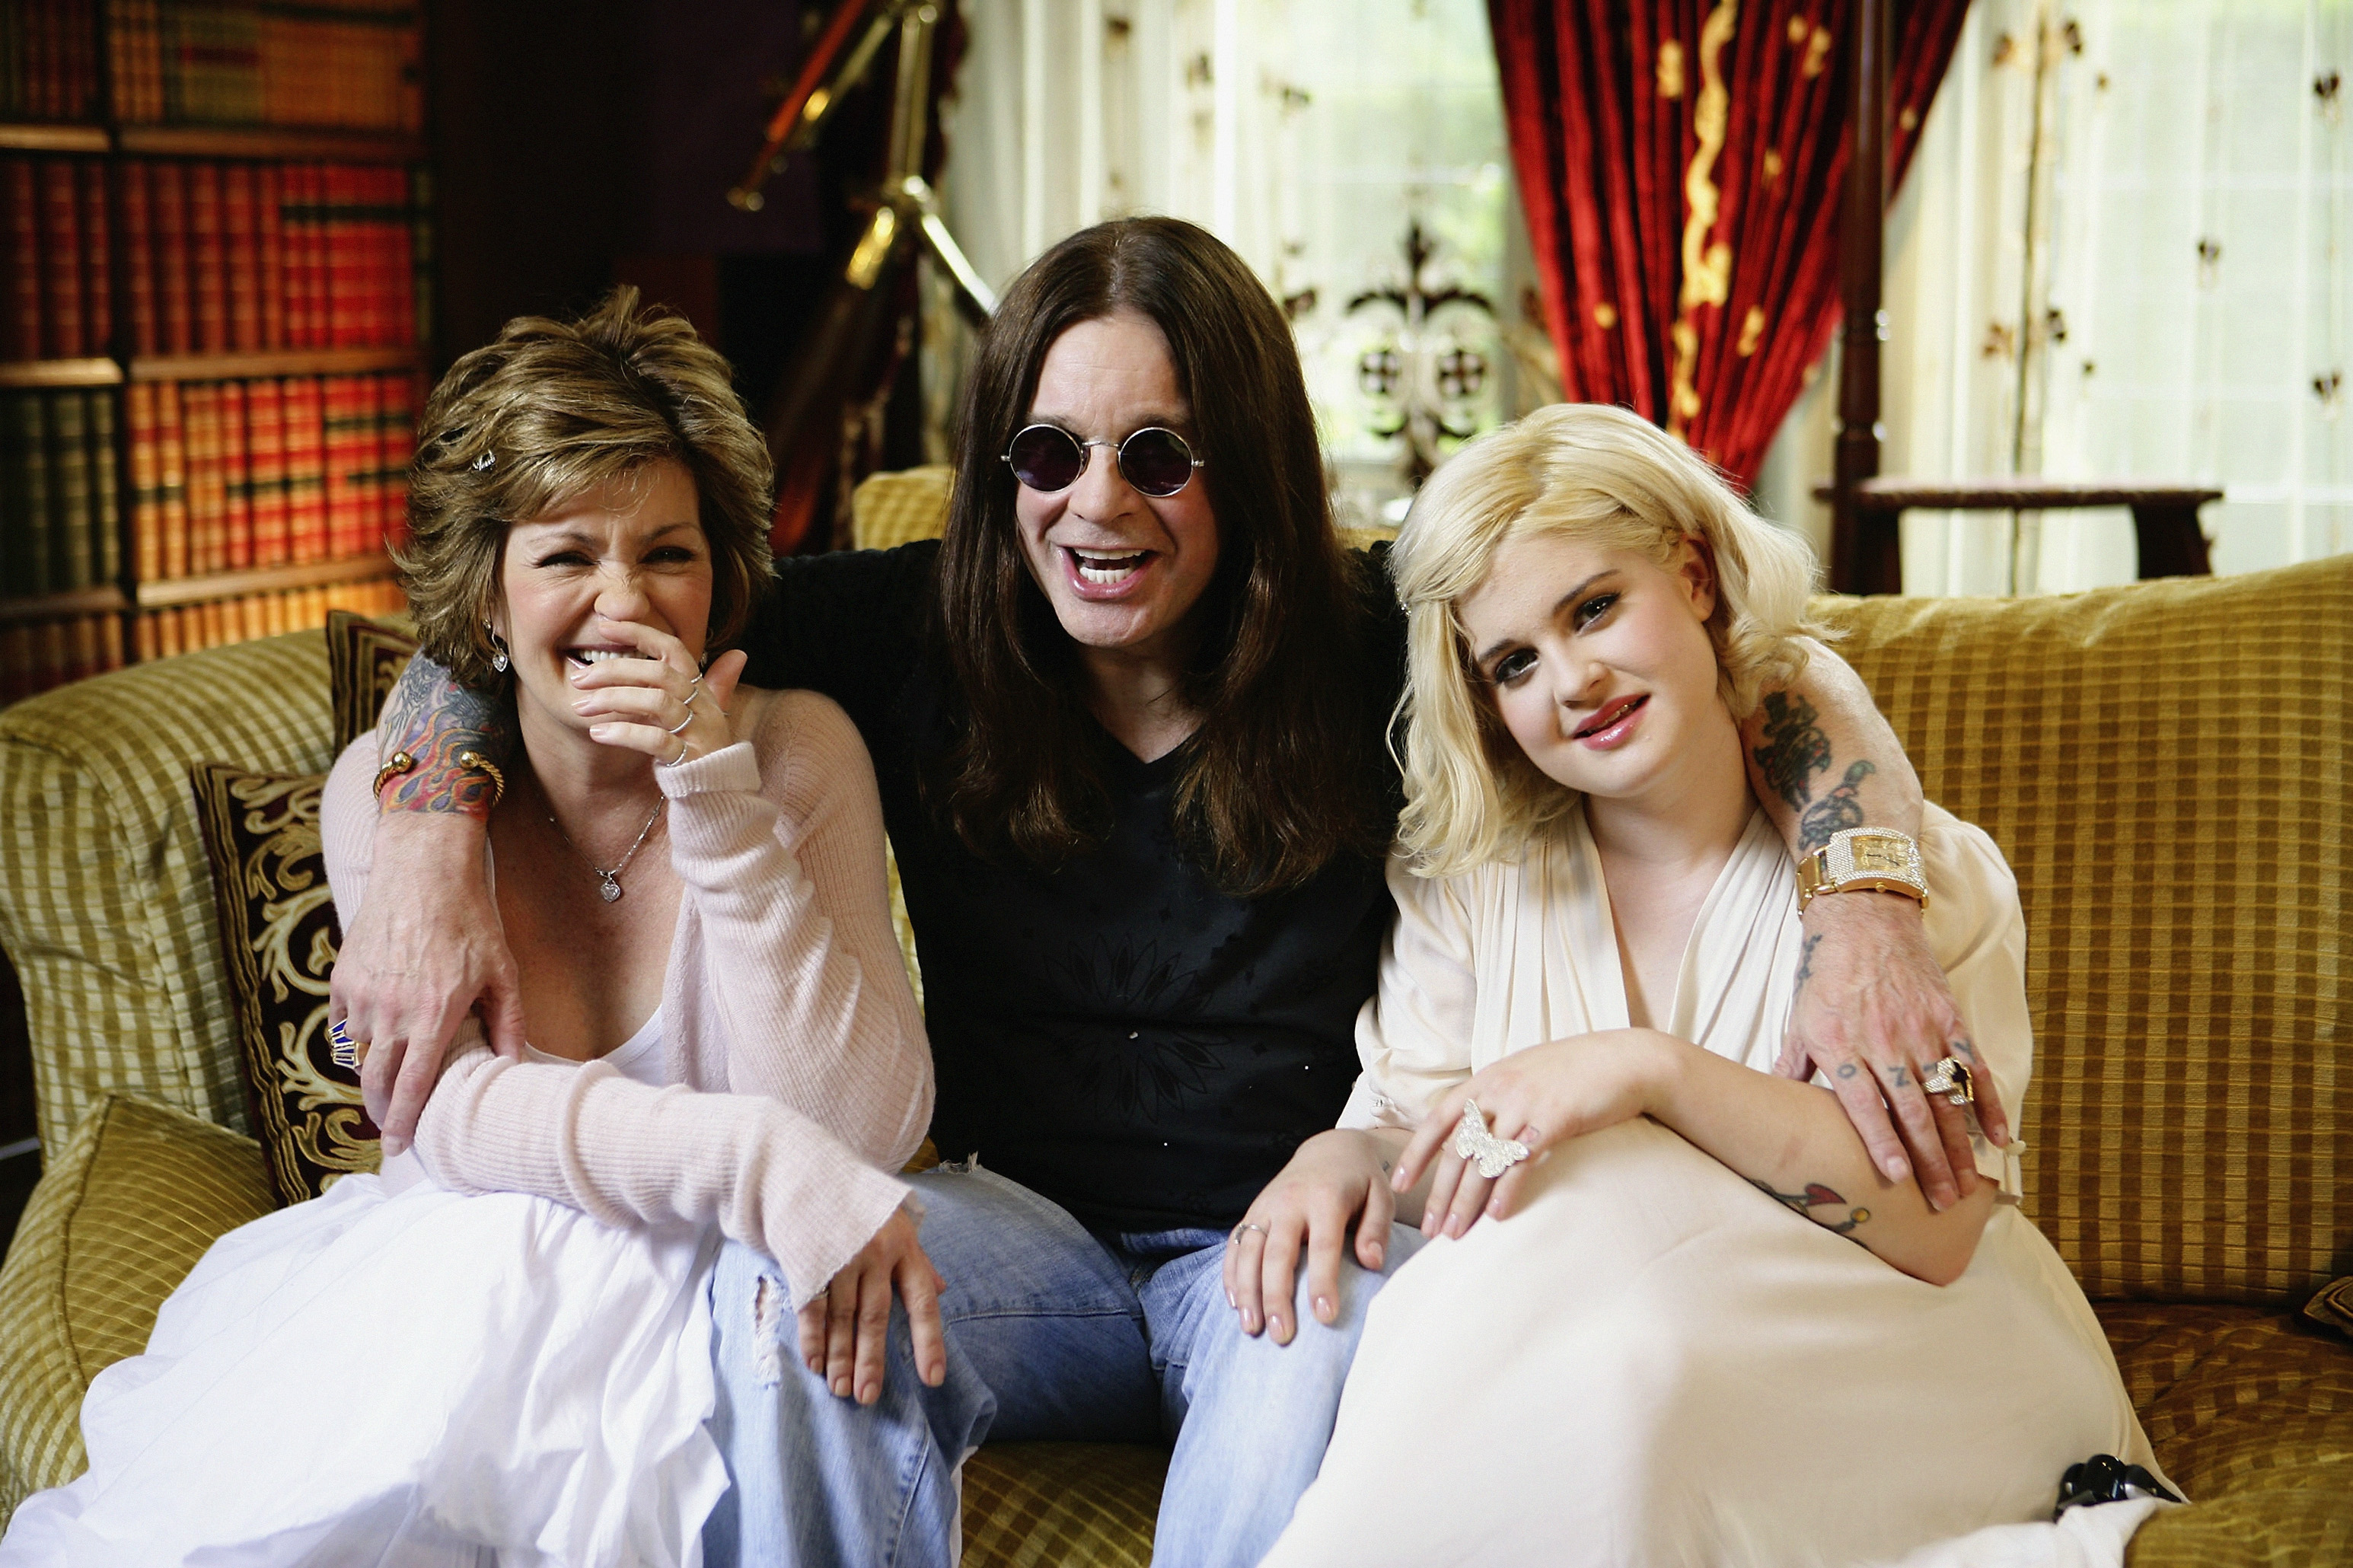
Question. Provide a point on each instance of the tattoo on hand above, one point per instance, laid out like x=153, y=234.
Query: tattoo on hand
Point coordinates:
x=1963, y=1048
x=1795, y=748
x=1896, y=1076
x=1835, y=811
x=433, y=719
x=1815, y=1193
x=1806, y=963
x=1846, y=1070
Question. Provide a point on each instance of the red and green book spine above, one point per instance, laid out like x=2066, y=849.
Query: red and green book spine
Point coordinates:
x=237, y=483
x=105, y=493
x=139, y=259
x=61, y=282
x=270, y=249
x=344, y=525
x=146, y=483
x=97, y=295
x=200, y=480
x=243, y=257
x=168, y=193
x=29, y=470
x=23, y=203
x=399, y=445
x=266, y=471
x=306, y=496
x=171, y=479
x=71, y=522
x=205, y=251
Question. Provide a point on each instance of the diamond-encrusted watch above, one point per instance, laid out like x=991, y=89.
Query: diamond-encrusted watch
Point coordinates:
x=1864, y=859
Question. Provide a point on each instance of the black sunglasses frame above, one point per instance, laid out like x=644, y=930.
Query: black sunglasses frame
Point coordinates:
x=1119, y=450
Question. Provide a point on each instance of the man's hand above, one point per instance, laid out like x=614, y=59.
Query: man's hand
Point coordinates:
x=1872, y=1012
x=424, y=951
x=1336, y=1179
x=845, y=1328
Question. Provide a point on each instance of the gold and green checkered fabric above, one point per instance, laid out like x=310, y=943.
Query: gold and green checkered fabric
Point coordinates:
x=105, y=907
x=889, y=510
x=2251, y=1415
x=2164, y=765
x=125, y=1207
x=1083, y=1505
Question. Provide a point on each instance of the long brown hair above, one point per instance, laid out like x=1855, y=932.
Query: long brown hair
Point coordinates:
x=1287, y=768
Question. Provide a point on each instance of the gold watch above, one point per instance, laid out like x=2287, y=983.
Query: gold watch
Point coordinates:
x=1864, y=859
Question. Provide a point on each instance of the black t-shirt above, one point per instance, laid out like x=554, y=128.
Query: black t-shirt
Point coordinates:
x=1116, y=1034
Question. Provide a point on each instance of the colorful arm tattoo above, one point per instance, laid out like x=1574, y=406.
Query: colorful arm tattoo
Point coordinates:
x=1816, y=1194
x=433, y=719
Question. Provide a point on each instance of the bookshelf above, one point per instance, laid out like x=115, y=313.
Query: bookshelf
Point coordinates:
x=213, y=322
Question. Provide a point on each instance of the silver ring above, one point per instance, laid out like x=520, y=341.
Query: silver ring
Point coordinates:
x=682, y=749
x=682, y=723
x=1473, y=1141
x=1950, y=1078
x=1234, y=1236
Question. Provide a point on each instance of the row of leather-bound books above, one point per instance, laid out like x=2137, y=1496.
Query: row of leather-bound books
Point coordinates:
x=219, y=256
x=343, y=64
x=334, y=64
x=224, y=476
x=39, y=655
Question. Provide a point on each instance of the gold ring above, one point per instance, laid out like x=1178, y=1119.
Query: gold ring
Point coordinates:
x=1950, y=1078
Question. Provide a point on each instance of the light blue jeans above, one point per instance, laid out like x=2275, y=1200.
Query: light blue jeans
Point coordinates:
x=1053, y=1333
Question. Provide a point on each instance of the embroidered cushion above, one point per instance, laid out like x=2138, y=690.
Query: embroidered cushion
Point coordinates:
x=278, y=939
x=364, y=658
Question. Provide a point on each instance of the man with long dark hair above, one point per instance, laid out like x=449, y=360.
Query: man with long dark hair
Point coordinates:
x=1128, y=719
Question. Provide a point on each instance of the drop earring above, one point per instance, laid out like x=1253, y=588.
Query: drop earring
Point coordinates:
x=498, y=650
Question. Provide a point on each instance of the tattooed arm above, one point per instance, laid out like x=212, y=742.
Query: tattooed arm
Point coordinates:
x=1873, y=1008
x=427, y=950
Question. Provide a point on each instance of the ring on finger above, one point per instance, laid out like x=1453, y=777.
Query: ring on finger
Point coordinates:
x=1952, y=1079
x=682, y=749
x=1234, y=1236
x=682, y=723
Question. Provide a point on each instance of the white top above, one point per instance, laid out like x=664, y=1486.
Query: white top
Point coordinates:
x=1525, y=952
x=638, y=1058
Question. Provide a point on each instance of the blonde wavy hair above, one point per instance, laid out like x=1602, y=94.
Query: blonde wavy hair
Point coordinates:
x=549, y=412
x=1600, y=475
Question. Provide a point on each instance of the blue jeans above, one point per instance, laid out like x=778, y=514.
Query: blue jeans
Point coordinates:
x=1053, y=1333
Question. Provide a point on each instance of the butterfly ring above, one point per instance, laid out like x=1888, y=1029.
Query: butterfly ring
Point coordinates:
x=1473, y=1141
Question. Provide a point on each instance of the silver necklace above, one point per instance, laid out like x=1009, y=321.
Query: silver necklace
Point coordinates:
x=609, y=883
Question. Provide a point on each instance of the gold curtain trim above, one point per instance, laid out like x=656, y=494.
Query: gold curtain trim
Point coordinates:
x=1708, y=269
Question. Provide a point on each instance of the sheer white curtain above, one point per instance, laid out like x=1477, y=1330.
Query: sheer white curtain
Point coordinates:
x=2120, y=254
x=1308, y=134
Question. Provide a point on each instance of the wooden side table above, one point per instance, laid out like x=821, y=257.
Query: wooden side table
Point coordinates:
x=1865, y=556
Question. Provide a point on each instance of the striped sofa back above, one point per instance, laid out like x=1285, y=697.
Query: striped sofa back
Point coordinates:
x=2165, y=765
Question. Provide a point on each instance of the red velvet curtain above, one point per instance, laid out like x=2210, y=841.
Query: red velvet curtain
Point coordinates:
x=1682, y=164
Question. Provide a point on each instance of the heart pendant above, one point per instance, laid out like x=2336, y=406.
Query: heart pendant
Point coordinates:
x=611, y=889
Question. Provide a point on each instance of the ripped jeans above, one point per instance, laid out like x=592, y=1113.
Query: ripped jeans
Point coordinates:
x=1054, y=1333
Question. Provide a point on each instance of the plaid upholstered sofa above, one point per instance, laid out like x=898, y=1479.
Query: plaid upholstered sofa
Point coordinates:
x=2165, y=765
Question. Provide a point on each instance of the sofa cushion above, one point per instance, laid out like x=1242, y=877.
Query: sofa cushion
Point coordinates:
x=105, y=907
x=1078, y=1504
x=2250, y=1411
x=364, y=660
x=2332, y=1306
x=278, y=939
x=2165, y=766
x=127, y=1205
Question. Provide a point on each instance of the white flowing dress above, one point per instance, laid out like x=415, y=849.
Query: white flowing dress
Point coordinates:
x=1653, y=1362
x=555, y=1408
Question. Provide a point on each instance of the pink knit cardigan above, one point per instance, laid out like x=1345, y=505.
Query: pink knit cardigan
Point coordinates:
x=799, y=1074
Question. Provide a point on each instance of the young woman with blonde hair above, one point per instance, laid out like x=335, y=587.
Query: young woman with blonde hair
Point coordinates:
x=1677, y=1316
